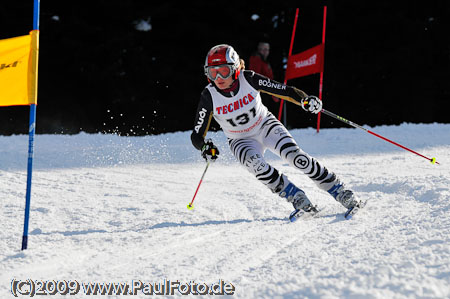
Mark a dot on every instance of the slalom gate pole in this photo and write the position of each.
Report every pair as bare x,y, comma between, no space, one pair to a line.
29,175
432,160
31,135
323,61
294,28
190,205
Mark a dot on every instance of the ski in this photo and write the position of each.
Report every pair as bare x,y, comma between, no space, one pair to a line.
352,211
299,213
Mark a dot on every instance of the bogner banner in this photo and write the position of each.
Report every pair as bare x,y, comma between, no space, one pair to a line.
305,63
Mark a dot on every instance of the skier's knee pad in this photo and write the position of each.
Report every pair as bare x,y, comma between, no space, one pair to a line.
300,160
320,175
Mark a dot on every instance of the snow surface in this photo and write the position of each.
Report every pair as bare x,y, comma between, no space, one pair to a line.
113,209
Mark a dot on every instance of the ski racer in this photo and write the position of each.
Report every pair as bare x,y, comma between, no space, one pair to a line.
233,98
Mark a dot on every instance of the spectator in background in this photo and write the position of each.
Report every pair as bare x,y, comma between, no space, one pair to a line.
258,60
259,64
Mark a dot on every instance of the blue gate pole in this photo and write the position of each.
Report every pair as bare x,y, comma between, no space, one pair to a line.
31,132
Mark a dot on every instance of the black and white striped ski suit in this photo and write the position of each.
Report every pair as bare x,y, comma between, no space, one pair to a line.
275,137
251,129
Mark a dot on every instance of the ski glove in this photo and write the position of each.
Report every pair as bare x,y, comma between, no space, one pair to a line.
312,104
209,151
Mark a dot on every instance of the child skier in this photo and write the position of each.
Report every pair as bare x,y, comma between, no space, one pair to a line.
233,98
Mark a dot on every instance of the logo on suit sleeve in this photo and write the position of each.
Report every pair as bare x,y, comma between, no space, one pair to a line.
201,119
270,84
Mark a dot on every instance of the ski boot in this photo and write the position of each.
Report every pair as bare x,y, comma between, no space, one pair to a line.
347,198
299,200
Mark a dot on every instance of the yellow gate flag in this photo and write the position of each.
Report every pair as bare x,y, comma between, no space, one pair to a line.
19,69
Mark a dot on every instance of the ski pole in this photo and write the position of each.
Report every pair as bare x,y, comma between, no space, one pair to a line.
432,160
190,205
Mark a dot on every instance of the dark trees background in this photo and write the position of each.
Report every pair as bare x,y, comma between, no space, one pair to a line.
386,62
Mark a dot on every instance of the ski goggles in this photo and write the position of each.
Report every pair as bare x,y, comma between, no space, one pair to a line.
224,71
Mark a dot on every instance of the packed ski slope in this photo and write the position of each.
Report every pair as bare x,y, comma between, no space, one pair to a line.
113,210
